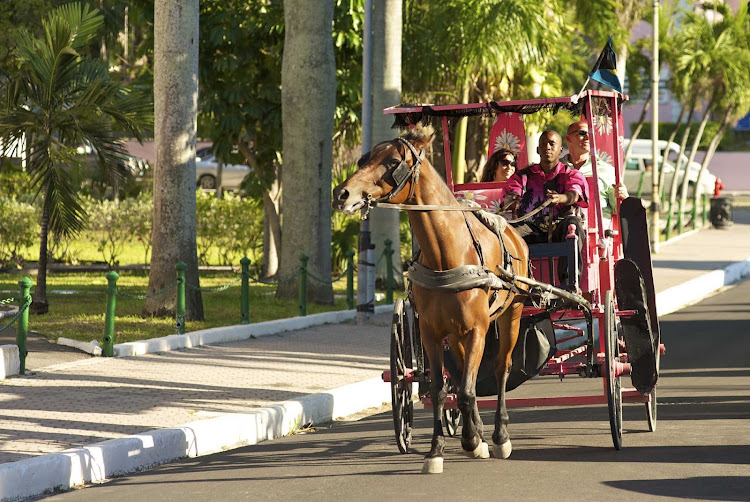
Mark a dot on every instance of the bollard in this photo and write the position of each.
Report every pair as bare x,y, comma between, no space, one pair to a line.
23,322
108,347
303,284
388,271
180,308
350,279
245,299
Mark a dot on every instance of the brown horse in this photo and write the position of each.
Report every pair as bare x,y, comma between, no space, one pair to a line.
397,171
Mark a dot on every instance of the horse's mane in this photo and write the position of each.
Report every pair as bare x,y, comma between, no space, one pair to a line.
411,136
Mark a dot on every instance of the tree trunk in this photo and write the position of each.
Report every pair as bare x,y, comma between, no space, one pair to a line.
386,91
676,174
458,159
39,303
639,126
683,110
271,231
686,178
175,119
712,146
308,83
271,214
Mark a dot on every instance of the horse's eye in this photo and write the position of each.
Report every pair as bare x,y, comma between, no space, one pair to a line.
394,162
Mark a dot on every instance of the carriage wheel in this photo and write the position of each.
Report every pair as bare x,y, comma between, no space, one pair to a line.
612,354
451,418
651,411
401,391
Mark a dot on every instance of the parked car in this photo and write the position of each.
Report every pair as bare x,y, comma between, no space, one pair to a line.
206,174
641,156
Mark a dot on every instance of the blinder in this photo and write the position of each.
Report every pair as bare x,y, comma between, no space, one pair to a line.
402,173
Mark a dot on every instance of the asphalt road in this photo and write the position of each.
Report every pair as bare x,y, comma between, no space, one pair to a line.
700,450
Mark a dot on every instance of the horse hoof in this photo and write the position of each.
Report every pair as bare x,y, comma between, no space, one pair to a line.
433,465
481,451
502,450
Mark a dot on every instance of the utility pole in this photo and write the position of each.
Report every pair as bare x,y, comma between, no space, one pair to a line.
655,191
366,255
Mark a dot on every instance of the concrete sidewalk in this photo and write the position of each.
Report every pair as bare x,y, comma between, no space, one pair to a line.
89,420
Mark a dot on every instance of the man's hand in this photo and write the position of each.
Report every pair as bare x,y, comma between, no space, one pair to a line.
511,200
621,192
566,199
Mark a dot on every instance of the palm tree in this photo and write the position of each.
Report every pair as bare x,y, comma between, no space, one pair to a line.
733,102
715,61
57,102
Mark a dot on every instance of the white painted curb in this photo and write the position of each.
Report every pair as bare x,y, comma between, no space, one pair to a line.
100,461
690,292
10,359
226,334
91,347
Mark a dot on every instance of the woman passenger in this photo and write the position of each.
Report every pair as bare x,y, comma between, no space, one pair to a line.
500,166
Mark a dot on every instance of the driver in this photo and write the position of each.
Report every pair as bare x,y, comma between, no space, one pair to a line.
557,182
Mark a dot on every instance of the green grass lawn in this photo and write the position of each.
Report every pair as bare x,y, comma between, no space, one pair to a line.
77,302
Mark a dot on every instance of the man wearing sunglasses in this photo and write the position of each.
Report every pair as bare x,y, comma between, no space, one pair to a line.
553,181
579,157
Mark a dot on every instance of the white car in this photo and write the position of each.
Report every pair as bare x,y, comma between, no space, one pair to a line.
636,176
206,171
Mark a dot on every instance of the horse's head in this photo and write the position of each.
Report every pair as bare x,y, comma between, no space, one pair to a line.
384,174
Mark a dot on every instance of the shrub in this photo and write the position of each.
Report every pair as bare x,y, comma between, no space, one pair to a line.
19,228
141,212
109,227
233,226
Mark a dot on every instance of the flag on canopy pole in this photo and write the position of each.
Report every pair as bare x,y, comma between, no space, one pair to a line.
605,68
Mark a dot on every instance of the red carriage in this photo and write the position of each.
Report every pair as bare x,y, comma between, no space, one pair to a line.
608,320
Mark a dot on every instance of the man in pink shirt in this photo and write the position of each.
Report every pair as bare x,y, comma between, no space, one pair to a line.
551,180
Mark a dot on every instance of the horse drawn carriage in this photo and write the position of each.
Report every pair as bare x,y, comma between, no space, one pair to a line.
489,312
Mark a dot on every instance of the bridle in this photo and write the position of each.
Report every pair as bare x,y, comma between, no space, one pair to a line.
401,175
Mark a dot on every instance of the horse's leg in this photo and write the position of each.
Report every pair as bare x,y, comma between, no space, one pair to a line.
508,324
433,462
472,437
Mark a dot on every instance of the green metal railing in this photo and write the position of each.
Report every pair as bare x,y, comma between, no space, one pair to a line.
180,284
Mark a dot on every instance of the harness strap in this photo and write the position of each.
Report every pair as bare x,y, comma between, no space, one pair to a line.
475,241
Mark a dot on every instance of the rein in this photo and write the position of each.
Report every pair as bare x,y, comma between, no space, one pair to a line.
409,207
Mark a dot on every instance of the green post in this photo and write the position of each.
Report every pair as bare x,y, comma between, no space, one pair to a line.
303,284
350,279
669,222
680,217
180,308
245,301
640,184
695,213
389,271
705,210
23,322
108,347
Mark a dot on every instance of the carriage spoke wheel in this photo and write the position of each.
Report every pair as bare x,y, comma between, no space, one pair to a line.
401,391
451,418
651,411
612,354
